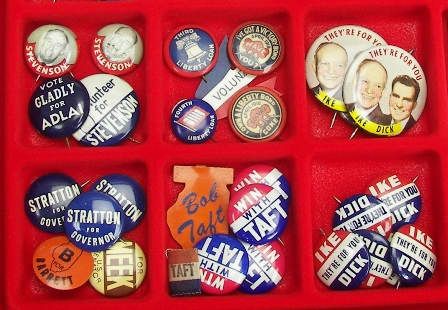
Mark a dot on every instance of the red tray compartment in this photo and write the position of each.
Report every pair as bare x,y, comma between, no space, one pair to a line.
319,162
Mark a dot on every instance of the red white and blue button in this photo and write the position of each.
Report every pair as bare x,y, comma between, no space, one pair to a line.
223,262
94,221
190,51
381,269
47,199
266,267
341,260
257,213
402,198
193,121
362,211
59,107
128,193
412,255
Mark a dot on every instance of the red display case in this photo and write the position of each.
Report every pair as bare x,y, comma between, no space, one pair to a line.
319,162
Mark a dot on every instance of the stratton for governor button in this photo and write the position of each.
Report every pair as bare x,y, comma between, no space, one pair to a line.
94,221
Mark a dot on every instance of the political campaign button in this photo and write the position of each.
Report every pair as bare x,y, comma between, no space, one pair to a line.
381,269
263,174
114,111
119,270
257,213
255,48
94,221
385,90
266,267
341,260
330,56
117,49
402,198
47,199
193,121
223,262
190,51
363,211
257,114
61,265
58,107
128,193
183,272
412,255
51,50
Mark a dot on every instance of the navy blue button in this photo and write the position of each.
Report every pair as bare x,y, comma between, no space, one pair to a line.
379,250
193,121
114,111
190,52
59,107
47,199
412,255
129,195
94,221
223,261
363,211
266,267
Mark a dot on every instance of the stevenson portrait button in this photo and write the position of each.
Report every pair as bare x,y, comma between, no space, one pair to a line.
59,107
94,221
128,193
190,51
61,265
47,199
51,50
255,48
193,121
117,49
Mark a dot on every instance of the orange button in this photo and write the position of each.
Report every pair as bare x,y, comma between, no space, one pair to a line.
61,265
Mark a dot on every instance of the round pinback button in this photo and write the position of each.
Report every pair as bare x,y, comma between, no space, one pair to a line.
47,199
119,270
412,255
117,49
363,211
381,269
61,265
51,50
113,114
193,121
341,260
223,262
385,90
255,48
128,193
402,198
263,174
329,58
94,221
266,267
257,114
190,51
257,213
59,107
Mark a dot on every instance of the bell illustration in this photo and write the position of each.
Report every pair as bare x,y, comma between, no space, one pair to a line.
191,47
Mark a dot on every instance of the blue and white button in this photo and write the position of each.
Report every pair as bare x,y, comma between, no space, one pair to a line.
266,267
223,262
114,111
128,193
363,211
47,199
193,121
94,221
190,51
341,260
412,255
58,107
